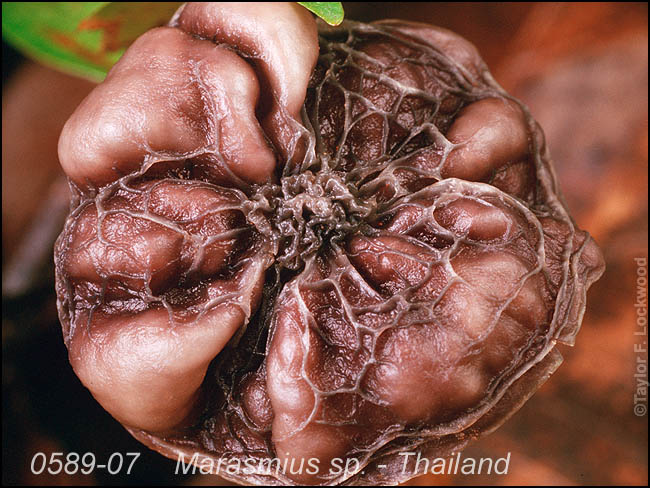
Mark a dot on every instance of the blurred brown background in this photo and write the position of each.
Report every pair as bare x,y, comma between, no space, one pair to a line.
581,68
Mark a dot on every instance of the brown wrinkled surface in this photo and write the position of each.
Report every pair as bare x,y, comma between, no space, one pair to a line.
386,268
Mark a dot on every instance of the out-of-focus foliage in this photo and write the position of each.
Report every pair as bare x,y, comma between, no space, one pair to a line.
83,39
86,38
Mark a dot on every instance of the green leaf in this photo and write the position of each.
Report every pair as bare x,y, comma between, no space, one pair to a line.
330,12
87,38
80,38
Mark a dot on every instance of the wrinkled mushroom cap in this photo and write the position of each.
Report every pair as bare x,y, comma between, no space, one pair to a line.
302,245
